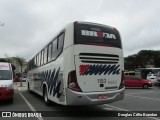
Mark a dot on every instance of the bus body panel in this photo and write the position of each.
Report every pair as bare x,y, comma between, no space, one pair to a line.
51,76
94,76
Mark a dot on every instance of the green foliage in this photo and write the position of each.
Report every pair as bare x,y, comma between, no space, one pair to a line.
142,59
18,74
20,61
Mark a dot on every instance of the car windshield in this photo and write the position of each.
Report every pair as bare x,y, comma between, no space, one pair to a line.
5,75
135,78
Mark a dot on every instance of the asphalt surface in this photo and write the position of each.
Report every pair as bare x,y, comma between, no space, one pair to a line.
137,101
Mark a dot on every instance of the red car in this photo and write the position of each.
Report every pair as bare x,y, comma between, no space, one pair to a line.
133,81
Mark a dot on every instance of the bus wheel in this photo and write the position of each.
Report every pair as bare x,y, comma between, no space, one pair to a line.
45,95
145,86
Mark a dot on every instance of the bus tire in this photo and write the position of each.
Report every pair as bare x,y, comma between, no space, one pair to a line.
45,96
145,86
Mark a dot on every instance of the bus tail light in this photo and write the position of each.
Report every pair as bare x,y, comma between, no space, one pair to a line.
122,80
72,82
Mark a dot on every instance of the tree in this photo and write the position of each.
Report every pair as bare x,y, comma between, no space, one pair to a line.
156,58
131,62
142,59
21,62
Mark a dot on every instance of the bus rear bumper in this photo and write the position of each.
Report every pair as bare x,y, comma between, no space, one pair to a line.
93,98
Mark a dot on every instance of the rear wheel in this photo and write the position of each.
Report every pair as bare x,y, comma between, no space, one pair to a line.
145,86
45,96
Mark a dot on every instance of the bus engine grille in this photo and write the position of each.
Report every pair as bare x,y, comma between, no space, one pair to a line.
99,58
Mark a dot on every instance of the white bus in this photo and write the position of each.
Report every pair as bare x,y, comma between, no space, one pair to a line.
82,65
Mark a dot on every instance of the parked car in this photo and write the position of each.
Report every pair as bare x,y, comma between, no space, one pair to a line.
16,79
157,81
133,81
23,79
152,77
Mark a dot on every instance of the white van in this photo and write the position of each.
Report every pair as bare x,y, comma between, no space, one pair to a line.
152,77
6,81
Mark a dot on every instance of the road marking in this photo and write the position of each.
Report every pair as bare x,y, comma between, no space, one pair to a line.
143,97
118,108
154,118
29,105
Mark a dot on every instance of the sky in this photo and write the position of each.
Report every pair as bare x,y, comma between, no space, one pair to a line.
27,25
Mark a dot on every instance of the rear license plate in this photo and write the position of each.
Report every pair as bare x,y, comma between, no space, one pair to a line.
102,97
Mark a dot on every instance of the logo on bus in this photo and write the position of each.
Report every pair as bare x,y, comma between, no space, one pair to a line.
99,69
98,34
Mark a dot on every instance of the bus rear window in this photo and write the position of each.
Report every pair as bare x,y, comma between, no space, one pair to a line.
96,35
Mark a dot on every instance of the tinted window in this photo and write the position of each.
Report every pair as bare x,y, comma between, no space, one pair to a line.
49,52
42,57
5,75
97,35
54,48
35,62
60,41
125,77
129,73
154,74
135,78
45,55
39,59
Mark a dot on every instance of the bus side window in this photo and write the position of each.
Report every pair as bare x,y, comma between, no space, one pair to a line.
54,49
35,62
42,57
39,59
60,41
49,52
45,54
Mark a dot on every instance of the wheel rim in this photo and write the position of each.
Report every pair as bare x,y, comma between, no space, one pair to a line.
145,86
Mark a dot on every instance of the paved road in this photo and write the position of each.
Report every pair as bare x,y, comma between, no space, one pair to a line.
136,99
